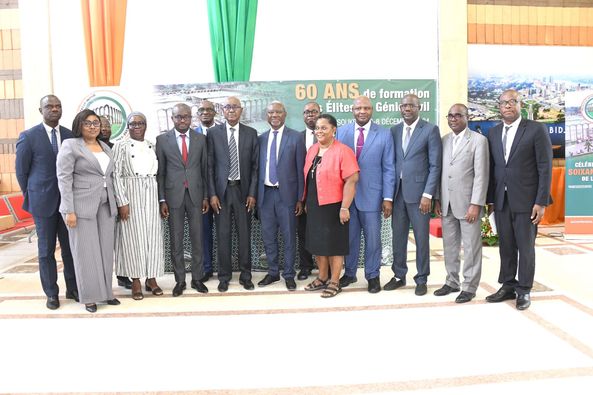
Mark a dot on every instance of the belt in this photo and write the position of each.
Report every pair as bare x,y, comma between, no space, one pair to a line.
272,186
234,182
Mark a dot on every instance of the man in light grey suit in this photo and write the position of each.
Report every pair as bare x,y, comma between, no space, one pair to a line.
418,150
182,179
464,183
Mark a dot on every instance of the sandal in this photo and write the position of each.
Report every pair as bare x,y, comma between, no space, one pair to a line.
316,285
137,290
331,290
155,289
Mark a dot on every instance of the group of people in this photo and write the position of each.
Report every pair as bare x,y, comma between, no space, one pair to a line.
328,185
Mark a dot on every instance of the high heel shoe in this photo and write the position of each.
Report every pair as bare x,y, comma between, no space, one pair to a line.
137,289
91,307
154,288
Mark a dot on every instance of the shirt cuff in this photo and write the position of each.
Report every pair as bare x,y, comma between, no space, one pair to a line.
426,195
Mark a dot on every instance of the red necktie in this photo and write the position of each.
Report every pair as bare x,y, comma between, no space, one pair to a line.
359,142
183,149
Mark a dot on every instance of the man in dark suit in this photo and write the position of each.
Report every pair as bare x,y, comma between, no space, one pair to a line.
280,189
233,155
418,151
36,151
206,114
181,178
311,113
519,191
373,147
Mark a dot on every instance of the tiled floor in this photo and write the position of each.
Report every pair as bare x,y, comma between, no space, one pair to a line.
271,341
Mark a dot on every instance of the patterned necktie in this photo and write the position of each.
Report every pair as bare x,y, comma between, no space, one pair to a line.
273,160
407,138
54,141
359,142
504,141
233,156
183,149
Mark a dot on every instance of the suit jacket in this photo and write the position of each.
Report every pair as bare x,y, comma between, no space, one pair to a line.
81,179
290,163
420,166
528,172
219,160
304,137
36,170
377,171
464,179
173,173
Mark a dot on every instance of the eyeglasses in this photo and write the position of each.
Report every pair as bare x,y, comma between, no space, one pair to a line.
408,105
88,124
455,116
230,107
182,117
310,112
504,103
136,125
203,110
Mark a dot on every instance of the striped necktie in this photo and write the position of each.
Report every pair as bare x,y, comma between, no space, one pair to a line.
233,156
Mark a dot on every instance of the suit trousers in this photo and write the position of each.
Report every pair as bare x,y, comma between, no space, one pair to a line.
403,214
458,232
516,235
207,222
92,242
274,216
176,225
48,228
305,257
233,205
370,224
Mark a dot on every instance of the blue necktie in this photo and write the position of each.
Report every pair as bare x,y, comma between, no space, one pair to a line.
273,160
54,141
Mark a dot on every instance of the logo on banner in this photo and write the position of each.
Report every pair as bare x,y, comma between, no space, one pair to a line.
587,108
112,106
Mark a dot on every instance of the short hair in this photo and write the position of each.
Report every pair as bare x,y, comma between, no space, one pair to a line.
329,118
135,114
78,119
276,102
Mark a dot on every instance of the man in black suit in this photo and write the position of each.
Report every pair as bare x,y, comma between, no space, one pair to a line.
183,192
233,155
36,151
519,191
311,113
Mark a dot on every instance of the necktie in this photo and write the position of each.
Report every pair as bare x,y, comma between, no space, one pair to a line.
273,160
455,144
54,141
183,149
234,157
359,142
407,138
504,141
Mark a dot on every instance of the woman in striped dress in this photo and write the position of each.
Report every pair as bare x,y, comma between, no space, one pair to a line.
139,234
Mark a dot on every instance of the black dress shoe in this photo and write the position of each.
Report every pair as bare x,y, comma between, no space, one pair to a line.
523,302
52,302
290,284
199,286
178,289
223,286
464,297
501,295
374,285
113,302
206,277
347,280
304,274
267,280
73,294
124,282
91,307
394,283
445,290
247,284
420,289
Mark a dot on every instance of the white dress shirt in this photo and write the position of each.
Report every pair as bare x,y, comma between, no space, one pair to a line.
278,140
510,136
48,131
228,137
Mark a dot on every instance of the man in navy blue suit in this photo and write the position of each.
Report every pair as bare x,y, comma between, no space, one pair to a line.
36,151
373,147
280,189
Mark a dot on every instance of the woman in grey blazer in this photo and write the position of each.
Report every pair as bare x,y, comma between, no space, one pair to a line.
84,170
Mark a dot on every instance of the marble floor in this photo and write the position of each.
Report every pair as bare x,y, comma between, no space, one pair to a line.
272,341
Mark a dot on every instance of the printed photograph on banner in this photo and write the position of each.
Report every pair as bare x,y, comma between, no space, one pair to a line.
334,97
542,75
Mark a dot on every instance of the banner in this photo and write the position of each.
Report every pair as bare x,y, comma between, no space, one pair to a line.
579,164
